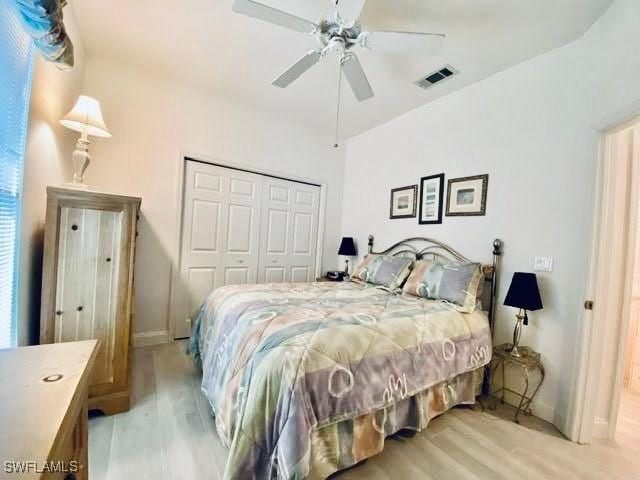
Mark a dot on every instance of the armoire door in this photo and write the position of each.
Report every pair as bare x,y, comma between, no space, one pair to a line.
220,235
289,231
87,285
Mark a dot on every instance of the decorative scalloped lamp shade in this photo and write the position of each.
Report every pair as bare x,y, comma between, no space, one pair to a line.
86,115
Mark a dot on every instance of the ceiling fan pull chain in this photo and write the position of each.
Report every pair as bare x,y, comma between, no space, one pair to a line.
336,144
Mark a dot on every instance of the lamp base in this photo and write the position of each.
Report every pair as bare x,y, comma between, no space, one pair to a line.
517,332
81,160
75,185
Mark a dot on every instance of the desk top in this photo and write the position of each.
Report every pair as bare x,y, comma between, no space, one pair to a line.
34,412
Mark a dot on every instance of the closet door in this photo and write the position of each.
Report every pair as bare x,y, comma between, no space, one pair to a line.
289,231
220,235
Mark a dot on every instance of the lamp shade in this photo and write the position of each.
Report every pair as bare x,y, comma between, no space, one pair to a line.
523,292
347,247
86,115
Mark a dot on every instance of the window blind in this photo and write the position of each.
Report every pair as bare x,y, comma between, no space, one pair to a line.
16,64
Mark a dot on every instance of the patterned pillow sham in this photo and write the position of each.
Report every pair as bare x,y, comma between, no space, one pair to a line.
453,282
389,272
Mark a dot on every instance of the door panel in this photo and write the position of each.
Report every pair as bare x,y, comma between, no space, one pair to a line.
302,229
300,274
290,212
205,224
274,274
237,275
239,229
245,188
220,236
278,193
87,282
277,223
206,181
304,198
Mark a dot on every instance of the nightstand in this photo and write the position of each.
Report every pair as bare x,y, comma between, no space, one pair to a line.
528,361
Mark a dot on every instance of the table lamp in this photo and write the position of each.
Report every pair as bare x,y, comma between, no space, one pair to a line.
347,249
523,294
86,118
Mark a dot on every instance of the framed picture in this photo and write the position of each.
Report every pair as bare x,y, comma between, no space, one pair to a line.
403,202
467,196
431,197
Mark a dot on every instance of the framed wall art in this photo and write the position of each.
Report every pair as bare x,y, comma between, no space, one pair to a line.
431,199
467,196
403,202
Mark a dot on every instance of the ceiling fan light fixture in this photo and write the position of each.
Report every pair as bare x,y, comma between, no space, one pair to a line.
339,32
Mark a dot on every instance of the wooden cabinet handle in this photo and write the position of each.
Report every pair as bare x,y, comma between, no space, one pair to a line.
80,308
59,312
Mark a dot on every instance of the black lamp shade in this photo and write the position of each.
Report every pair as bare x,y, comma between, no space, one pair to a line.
523,292
347,247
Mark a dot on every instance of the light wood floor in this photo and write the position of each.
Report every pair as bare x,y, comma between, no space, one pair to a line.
169,434
628,428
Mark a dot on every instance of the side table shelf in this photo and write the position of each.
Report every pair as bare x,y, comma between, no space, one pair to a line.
528,361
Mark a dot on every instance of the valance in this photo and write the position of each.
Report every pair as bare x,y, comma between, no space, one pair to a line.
43,21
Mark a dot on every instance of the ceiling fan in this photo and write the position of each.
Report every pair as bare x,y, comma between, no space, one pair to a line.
340,32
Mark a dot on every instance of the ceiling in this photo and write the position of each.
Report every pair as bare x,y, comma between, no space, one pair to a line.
205,44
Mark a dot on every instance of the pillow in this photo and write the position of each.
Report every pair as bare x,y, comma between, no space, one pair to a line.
453,282
389,272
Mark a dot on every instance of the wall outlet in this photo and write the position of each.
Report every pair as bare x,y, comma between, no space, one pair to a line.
543,264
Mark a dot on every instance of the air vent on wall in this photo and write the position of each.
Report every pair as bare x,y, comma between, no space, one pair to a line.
430,80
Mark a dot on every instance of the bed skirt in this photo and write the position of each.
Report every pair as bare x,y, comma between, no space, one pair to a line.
343,444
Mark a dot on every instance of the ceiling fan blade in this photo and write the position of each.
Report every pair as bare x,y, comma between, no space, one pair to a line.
356,77
273,15
297,69
400,42
349,9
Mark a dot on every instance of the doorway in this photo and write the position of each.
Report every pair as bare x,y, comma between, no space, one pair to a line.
628,422
608,359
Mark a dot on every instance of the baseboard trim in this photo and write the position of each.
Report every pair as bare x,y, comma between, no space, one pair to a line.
600,428
146,339
540,409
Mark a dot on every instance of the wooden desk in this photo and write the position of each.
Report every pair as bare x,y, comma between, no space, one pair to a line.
43,418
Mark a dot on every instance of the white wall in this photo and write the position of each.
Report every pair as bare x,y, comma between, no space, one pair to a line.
534,129
47,162
153,119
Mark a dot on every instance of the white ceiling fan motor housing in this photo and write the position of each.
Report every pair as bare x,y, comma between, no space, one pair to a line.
332,29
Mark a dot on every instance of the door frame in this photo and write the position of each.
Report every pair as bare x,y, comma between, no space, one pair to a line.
609,286
175,287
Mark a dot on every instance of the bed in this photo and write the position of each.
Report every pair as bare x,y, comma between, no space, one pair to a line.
305,380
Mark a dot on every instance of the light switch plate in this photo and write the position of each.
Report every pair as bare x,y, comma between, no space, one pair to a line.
543,264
